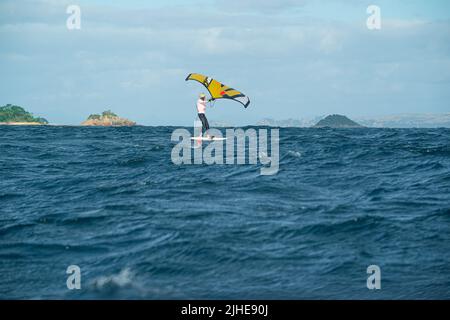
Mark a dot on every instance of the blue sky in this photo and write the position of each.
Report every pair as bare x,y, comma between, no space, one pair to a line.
293,58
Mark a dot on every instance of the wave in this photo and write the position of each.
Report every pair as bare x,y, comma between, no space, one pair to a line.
123,279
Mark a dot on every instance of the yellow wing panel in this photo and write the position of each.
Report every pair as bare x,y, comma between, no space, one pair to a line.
219,90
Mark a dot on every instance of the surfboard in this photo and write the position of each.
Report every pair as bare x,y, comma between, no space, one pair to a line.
207,139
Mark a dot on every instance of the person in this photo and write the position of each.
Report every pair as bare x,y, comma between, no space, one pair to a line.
201,109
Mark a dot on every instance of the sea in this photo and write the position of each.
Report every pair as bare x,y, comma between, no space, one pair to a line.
104,213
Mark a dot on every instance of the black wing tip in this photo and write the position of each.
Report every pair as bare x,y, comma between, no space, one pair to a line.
187,78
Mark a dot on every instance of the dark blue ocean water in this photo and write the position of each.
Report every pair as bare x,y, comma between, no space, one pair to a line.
111,201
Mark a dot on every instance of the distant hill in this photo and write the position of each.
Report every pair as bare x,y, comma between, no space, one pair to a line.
107,119
337,121
218,124
16,115
412,120
307,122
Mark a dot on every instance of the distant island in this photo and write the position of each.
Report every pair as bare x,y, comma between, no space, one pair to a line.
16,115
407,120
107,119
337,121
287,122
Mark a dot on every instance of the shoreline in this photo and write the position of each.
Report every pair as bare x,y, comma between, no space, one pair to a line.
22,124
219,127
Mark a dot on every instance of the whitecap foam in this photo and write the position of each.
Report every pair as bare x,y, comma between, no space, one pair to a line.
122,279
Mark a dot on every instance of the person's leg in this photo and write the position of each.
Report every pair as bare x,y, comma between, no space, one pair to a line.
205,124
207,128
201,116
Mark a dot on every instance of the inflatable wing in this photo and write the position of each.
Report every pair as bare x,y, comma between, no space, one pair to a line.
219,90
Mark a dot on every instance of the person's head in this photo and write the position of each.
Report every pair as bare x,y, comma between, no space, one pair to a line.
202,96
